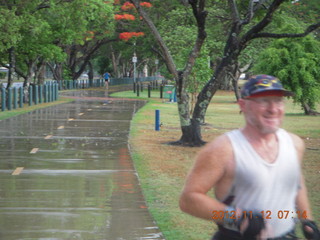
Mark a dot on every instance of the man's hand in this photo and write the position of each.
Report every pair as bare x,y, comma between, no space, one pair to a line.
252,227
310,230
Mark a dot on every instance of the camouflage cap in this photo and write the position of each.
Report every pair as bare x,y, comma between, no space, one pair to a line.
263,85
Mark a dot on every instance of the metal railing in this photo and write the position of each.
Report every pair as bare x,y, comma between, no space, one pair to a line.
127,80
17,96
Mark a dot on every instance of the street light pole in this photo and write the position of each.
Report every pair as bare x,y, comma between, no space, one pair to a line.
134,60
156,62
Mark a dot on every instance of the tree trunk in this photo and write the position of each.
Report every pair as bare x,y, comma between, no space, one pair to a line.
90,74
12,66
308,111
191,130
190,127
191,135
40,75
56,71
236,88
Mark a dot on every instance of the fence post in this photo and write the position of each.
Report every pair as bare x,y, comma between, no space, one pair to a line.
40,93
3,99
138,90
36,94
9,99
56,92
149,90
15,98
21,97
45,93
52,92
30,95
161,91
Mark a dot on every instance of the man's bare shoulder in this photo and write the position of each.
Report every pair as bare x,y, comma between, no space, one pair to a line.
217,151
212,164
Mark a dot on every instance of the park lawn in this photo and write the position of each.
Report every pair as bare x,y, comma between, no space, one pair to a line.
162,168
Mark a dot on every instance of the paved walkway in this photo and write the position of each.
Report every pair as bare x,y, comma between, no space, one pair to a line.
66,173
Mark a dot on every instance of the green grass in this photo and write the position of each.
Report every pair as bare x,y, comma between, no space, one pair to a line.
26,108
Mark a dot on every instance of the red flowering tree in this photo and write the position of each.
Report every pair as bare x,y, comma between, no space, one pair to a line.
124,17
128,35
127,6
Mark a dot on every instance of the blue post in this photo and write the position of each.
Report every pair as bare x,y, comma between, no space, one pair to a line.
56,92
21,97
45,93
3,99
9,98
36,94
40,93
15,98
52,92
157,122
30,95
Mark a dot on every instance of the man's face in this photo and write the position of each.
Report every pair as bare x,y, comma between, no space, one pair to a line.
263,113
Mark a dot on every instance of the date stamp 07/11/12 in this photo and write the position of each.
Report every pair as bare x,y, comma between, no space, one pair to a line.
281,214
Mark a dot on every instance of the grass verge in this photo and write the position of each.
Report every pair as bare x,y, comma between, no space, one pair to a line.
162,168
26,108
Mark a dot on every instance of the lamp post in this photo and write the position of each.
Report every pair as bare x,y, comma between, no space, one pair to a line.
156,62
134,60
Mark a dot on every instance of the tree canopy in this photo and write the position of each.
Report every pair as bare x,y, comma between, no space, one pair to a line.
201,45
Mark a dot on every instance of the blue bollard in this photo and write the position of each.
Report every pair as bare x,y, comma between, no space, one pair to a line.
157,120
21,97
30,95
36,94
40,93
9,99
3,99
15,98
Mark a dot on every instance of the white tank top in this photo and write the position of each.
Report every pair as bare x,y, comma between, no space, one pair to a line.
268,187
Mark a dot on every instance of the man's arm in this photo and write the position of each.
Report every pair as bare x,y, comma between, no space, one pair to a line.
210,167
309,227
302,200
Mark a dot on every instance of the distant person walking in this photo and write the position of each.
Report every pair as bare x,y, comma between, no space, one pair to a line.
106,77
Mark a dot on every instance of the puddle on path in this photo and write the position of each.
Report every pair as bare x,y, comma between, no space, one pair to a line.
79,183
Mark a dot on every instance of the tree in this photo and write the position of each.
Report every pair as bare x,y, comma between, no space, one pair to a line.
296,63
56,30
181,76
247,23
81,29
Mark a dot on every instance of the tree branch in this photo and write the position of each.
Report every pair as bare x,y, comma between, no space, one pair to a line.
200,15
310,29
234,10
167,56
263,23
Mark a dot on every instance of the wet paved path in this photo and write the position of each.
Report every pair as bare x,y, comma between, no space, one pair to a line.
66,173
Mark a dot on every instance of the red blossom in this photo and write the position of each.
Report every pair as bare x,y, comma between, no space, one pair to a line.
127,6
124,17
146,4
127,35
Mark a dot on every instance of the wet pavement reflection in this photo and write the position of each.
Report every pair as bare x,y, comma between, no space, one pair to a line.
66,173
